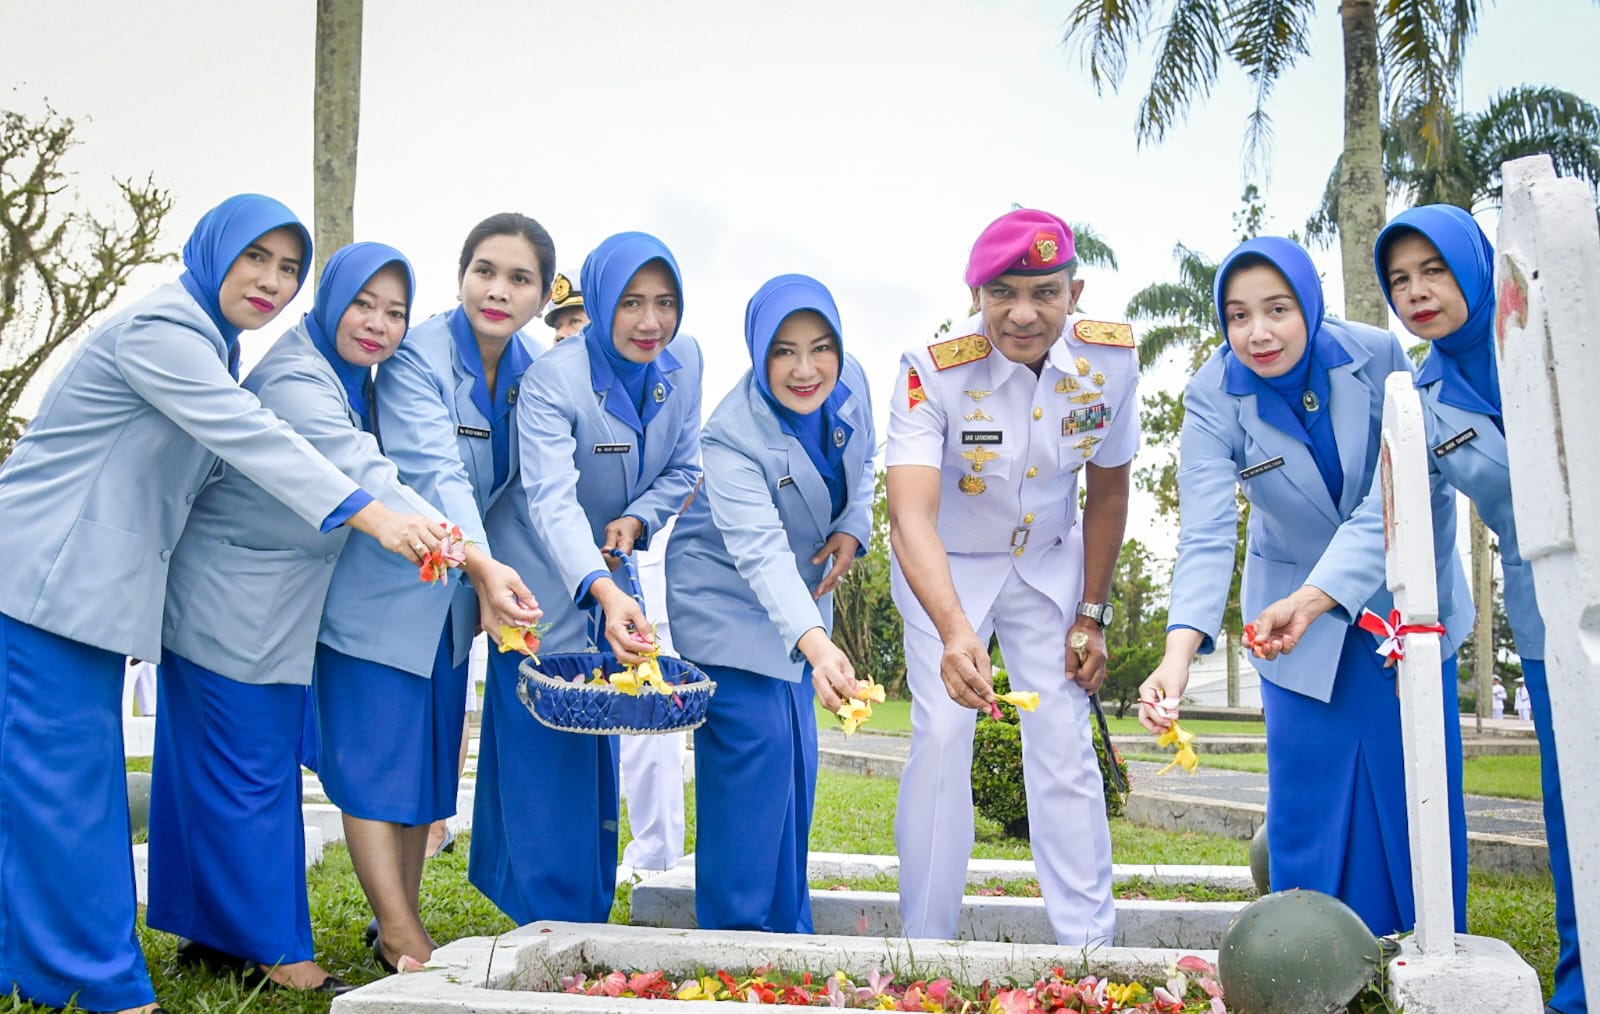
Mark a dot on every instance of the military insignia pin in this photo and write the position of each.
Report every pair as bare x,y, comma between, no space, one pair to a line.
660,393
1311,401
1085,397
1045,247
561,289
511,395
1099,379
978,395
978,415
1083,366
1086,445
1066,385
972,485
838,436
978,456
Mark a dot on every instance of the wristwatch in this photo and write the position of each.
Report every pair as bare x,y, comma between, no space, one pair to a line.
1100,612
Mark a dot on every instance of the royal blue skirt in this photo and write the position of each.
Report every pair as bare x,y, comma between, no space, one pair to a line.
227,837
1569,996
389,742
66,857
1336,790
755,765
544,821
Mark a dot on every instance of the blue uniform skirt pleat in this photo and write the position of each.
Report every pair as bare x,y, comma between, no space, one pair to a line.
1336,792
755,762
227,837
545,818
67,900
389,742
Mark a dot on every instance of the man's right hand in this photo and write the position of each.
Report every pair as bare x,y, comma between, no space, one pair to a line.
965,671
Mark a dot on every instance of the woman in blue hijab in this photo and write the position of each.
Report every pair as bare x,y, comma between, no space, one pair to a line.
93,500
785,509
609,429
1437,270
1290,409
244,601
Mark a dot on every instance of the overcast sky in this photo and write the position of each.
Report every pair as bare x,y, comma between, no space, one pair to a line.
862,142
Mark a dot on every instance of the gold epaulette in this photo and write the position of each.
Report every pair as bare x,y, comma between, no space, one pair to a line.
1102,332
959,351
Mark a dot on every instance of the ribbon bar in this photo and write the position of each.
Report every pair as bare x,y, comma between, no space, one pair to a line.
1389,632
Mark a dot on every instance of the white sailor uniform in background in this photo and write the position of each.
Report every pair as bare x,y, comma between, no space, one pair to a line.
1010,447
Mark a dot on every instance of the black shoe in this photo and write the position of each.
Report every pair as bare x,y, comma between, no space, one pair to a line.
193,953
377,955
254,976
448,845
371,935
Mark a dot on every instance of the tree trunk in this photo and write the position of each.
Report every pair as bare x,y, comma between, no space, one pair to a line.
1231,653
1483,628
1361,189
336,113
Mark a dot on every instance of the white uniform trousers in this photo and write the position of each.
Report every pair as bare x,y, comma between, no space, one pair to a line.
652,766
1066,800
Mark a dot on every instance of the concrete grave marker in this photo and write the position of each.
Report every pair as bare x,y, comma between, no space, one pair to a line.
1547,327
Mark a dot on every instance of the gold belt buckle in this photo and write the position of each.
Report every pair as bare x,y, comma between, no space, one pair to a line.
1022,530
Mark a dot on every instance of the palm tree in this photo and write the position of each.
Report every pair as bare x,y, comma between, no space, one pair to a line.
1411,48
1525,120
336,125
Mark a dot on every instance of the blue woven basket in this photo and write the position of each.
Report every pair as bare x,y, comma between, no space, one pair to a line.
547,690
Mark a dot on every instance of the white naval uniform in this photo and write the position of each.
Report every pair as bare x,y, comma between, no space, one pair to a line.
1008,512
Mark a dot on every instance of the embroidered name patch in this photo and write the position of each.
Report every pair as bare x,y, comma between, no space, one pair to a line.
612,448
1466,436
1082,420
473,431
982,436
1265,466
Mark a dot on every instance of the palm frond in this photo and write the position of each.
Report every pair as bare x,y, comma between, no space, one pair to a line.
1169,301
1420,52
1197,272
1104,31
1192,44
1267,36
1158,341
1531,120
1090,248
1323,225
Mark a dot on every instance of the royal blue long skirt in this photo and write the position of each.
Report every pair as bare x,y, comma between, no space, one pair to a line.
66,857
1569,997
544,821
389,742
755,765
227,837
1336,792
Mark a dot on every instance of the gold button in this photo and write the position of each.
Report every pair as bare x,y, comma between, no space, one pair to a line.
1017,551
1032,471
1027,519
1038,413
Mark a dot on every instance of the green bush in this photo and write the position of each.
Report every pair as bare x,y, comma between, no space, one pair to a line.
997,785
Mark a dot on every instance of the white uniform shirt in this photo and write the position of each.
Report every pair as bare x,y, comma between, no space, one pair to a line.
1009,447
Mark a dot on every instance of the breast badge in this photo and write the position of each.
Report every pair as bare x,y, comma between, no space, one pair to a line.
1086,445
1086,419
1066,385
972,485
1083,366
979,456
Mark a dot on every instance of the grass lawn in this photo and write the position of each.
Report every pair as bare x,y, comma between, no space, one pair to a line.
853,814
1511,777
895,717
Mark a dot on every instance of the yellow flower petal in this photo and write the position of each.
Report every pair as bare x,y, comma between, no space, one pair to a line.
866,690
853,714
511,639
1024,700
1185,757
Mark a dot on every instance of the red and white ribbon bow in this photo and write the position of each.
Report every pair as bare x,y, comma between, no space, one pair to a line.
1390,631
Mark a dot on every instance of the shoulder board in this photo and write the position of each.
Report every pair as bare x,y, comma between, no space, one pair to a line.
1101,332
959,351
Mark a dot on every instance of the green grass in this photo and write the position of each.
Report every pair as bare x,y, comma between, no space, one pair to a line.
1134,887
890,716
853,814
1129,725
1511,777
895,717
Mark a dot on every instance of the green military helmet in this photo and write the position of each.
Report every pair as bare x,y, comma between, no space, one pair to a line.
1295,952
1259,867
138,801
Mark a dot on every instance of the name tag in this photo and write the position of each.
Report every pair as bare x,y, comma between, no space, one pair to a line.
787,480
1265,466
612,448
473,431
1466,436
982,436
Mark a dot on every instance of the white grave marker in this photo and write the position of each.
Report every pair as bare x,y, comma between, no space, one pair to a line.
1437,971
1547,326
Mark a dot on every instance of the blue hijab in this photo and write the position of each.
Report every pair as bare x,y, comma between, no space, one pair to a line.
635,392
821,434
1463,361
1285,401
345,275
221,235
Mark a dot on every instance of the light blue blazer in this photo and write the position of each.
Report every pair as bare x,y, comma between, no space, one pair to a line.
95,495
1226,444
581,469
246,584
377,609
739,570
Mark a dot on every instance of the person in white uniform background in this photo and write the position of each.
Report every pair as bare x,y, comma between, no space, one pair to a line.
987,434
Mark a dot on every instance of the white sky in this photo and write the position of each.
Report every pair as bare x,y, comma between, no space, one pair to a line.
863,142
